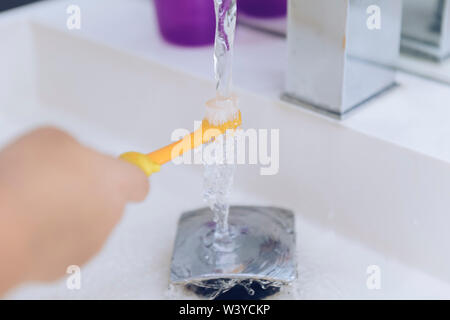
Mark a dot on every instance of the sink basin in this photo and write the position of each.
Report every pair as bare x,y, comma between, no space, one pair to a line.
359,200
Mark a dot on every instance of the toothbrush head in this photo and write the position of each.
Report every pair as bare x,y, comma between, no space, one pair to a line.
231,124
221,111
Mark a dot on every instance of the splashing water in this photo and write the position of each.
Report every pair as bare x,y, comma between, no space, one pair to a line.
218,180
218,176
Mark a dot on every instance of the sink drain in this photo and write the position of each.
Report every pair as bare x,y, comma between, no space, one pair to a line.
231,289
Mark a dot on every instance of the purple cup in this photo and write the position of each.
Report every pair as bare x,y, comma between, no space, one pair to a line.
187,22
263,8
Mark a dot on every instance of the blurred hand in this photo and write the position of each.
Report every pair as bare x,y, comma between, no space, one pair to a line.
59,201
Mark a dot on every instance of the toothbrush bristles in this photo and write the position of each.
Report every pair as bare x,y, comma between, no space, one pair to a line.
221,110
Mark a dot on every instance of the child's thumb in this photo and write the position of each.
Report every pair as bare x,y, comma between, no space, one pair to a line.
133,181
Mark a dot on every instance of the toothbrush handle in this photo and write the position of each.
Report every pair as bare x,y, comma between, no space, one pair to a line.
150,163
204,134
178,148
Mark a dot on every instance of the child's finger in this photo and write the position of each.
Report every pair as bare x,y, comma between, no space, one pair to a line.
133,181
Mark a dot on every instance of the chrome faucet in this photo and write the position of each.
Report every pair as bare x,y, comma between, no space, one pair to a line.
341,52
426,28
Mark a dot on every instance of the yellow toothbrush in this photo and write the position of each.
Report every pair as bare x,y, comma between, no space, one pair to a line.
209,130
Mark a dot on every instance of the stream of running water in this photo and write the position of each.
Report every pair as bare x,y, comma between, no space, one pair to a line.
218,176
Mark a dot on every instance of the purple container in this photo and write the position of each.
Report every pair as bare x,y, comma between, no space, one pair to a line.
187,22
263,8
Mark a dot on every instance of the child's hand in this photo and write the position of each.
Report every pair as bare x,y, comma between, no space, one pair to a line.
59,201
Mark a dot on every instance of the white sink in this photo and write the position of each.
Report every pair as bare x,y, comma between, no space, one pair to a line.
360,199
